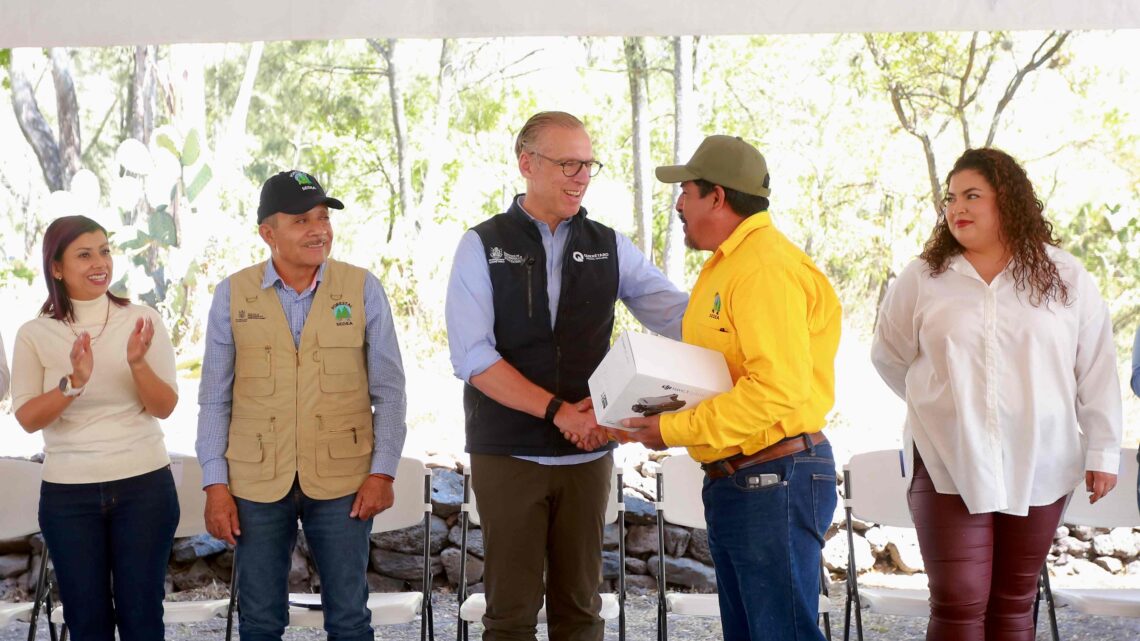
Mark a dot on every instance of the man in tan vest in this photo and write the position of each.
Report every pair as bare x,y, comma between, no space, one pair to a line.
301,416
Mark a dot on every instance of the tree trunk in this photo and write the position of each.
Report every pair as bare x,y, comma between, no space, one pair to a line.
437,137
642,181
32,123
188,81
140,111
684,143
231,147
67,112
388,49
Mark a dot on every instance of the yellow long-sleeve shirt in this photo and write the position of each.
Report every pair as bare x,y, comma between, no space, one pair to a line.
761,302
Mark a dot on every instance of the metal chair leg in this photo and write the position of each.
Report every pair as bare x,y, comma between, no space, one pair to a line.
1052,607
42,592
232,607
823,591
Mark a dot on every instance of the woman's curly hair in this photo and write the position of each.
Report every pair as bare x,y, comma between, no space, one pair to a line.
1024,229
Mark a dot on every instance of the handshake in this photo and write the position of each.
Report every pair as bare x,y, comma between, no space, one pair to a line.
579,425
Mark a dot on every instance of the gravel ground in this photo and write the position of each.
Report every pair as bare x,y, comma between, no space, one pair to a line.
641,623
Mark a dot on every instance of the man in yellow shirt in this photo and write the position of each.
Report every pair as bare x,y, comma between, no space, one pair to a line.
770,477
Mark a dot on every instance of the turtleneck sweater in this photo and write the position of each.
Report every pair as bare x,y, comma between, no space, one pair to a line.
105,434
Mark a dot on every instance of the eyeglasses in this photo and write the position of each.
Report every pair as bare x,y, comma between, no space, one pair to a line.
571,168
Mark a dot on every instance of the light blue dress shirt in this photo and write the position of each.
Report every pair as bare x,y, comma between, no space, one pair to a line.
470,312
385,373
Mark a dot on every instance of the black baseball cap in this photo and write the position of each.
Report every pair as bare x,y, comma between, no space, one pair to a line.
292,192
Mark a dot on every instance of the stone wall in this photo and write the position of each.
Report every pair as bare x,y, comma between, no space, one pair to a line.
396,564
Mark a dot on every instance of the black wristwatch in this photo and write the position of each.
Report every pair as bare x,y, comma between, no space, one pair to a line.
552,408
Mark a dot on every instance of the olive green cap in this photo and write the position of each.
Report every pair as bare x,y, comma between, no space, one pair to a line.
727,161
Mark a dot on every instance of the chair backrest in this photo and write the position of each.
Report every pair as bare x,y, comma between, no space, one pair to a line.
20,500
191,499
1117,509
681,483
413,491
874,488
614,506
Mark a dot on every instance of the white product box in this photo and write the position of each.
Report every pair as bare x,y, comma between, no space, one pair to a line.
644,375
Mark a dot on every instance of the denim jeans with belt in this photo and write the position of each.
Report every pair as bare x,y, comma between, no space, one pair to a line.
110,544
339,545
766,525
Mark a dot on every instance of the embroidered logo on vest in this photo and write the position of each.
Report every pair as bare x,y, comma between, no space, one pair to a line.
243,316
498,257
715,313
342,312
580,257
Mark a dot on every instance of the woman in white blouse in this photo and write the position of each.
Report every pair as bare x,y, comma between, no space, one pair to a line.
87,376
1002,348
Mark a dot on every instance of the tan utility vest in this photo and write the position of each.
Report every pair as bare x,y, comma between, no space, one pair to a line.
305,411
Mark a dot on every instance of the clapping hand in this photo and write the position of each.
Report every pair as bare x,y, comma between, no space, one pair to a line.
82,361
139,341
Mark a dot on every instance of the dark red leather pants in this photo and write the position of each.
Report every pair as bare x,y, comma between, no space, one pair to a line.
982,568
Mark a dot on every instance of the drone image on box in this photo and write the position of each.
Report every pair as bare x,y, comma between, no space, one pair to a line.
651,405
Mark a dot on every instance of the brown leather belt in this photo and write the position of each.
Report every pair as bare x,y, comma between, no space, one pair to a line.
729,466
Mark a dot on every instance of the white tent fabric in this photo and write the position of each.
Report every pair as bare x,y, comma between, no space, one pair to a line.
41,23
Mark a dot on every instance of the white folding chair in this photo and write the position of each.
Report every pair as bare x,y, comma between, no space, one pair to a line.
19,503
679,483
874,489
1118,509
192,507
412,506
472,607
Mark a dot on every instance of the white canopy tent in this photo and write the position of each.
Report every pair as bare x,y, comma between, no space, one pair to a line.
41,23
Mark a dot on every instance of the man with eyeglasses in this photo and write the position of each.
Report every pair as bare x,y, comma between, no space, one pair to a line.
530,313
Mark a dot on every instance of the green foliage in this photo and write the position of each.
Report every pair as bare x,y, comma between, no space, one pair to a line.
849,184
5,60
201,180
191,149
1107,244
16,270
161,227
164,141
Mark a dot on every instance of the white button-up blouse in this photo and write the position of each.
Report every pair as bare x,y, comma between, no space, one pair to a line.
1008,404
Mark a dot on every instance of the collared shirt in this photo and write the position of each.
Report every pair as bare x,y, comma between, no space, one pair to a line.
385,372
761,302
1135,364
652,298
1008,403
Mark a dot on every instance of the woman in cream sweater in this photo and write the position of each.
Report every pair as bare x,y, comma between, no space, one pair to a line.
93,373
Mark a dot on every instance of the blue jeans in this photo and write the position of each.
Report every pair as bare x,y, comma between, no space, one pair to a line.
766,525
110,544
339,545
